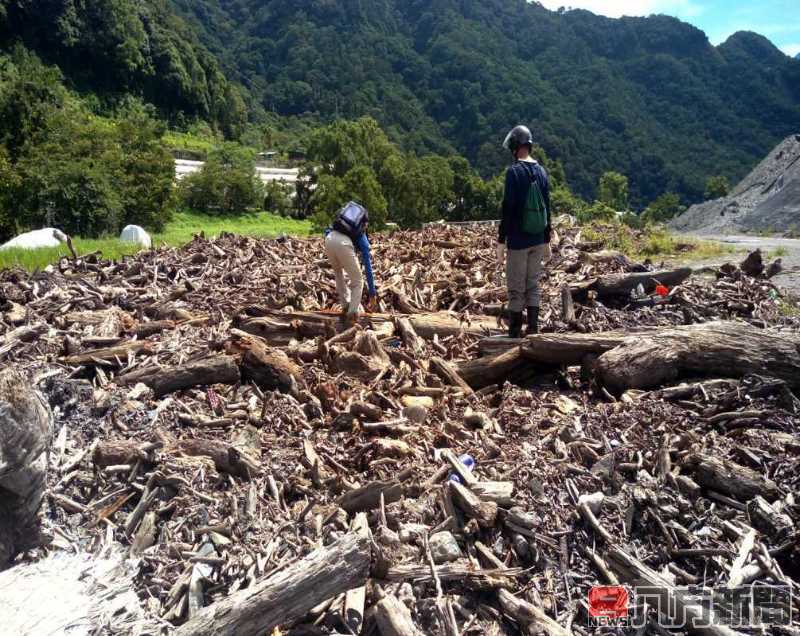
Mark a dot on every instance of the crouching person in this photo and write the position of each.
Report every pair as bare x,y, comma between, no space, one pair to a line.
524,230
348,234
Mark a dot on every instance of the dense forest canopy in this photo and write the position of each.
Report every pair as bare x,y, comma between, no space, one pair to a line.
650,98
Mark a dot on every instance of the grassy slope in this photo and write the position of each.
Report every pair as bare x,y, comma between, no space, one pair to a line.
179,231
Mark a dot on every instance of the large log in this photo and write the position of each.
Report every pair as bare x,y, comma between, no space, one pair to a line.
288,594
621,285
730,478
25,429
213,370
278,327
483,372
269,368
716,349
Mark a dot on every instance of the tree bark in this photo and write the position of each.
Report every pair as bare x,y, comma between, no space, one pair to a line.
116,354
213,370
271,369
483,372
716,349
528,614
25,429
446,372
226,458
394,618
731,479
288,594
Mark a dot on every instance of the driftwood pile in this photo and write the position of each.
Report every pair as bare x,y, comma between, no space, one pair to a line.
267,472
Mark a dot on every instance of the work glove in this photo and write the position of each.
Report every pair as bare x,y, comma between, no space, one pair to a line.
501,252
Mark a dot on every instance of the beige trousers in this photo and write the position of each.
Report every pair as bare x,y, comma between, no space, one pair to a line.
342,257
523,269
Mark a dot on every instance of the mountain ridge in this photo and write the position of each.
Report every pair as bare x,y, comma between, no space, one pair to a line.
647,96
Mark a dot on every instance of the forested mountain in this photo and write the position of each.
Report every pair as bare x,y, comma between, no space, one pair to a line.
112,49
647,96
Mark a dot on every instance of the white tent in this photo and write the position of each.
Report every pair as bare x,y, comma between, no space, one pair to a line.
136,234
46,237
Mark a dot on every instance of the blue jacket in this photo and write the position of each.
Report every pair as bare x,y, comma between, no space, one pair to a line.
518,181
362,245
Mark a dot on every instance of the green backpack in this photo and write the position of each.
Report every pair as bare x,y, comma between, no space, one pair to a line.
534,214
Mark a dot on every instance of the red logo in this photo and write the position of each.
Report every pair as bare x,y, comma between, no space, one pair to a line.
608,602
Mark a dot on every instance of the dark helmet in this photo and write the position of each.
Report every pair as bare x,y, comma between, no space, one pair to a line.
519,136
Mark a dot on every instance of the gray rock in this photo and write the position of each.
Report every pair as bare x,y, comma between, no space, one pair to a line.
415,414
766,199
444,547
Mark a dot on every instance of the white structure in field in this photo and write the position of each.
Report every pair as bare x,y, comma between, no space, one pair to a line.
136,234
46,237
287,175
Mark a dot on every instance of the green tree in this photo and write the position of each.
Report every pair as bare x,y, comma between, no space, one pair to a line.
30,93
359,184
716,187
598,211
612,190
665,207
226,184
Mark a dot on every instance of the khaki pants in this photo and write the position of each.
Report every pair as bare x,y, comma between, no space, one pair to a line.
342,257
523,268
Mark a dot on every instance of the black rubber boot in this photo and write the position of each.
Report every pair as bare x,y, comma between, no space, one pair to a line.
533,320
515,324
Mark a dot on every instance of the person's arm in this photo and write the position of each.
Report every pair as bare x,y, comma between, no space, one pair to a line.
363,247
506,208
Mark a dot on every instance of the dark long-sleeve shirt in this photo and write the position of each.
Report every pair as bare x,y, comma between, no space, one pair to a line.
518,182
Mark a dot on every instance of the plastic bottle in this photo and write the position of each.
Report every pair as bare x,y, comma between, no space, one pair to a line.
468,461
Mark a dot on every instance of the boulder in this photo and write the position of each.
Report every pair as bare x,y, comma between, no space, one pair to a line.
46,237
136,234
444,547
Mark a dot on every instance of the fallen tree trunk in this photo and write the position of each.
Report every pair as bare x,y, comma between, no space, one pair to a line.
716,349
278,327
731,479
214,370
483,372
288,594
621,285
558,348
270,369
25,429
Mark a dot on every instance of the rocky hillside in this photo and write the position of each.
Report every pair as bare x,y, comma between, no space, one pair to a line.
766,199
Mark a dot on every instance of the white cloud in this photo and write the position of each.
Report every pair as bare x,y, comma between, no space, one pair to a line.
617,8
791,49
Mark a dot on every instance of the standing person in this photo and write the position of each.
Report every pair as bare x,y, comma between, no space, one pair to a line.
524,230
348,233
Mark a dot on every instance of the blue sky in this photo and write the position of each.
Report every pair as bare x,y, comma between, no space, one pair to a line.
779,20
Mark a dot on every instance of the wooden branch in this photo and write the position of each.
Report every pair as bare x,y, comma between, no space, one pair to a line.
287,595
369,497
567,304
484,512
634,572
116,354
528,614
394,618
445,370
213,370
226,457
621,285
